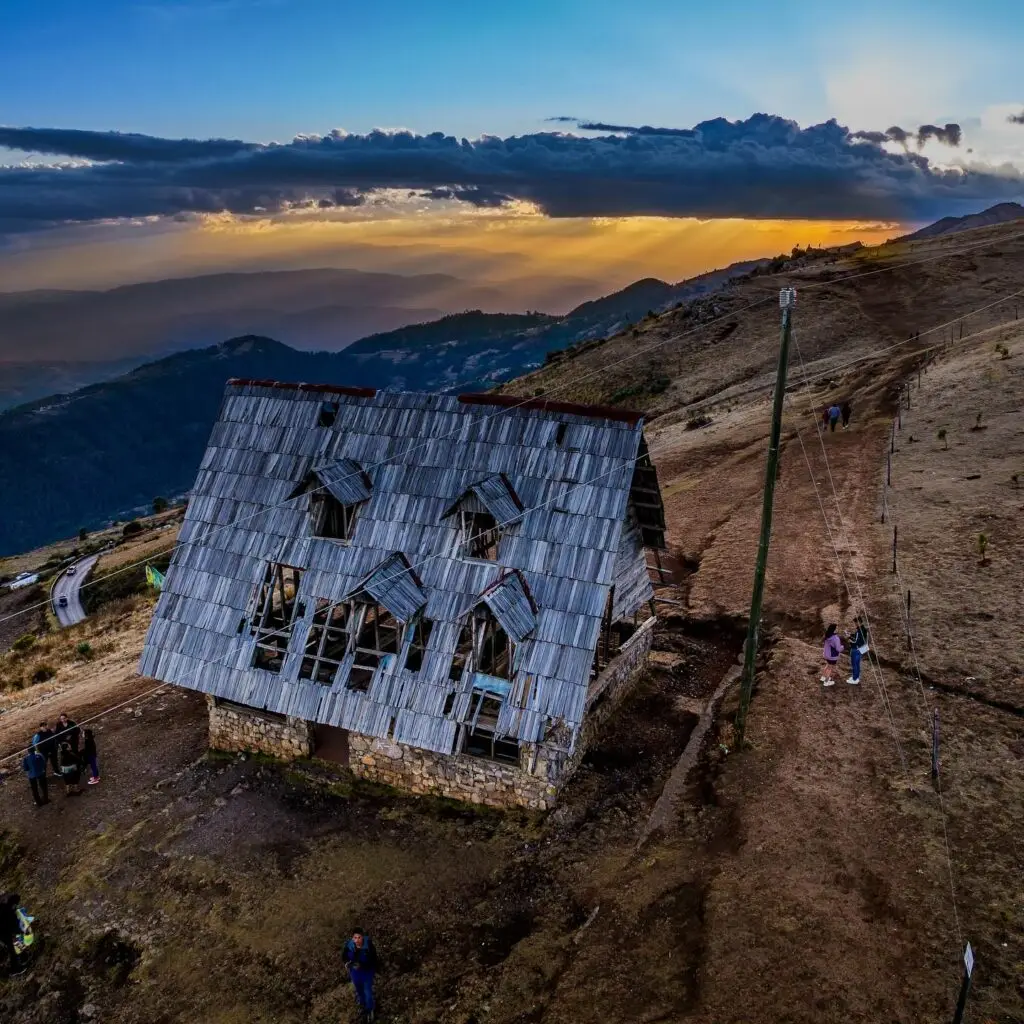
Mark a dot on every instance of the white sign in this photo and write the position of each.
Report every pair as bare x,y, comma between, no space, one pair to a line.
969,959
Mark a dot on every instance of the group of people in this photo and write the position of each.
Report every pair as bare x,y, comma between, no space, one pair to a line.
832,414
68,750
833,650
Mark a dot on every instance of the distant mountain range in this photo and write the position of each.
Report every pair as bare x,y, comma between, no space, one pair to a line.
88,336
79,459
998,214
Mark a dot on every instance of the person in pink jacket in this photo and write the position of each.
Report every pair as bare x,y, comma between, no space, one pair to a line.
830,652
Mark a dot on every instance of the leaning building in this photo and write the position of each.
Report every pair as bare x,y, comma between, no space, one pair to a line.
444,592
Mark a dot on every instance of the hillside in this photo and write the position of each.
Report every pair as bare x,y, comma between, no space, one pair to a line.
814,870
1001,213
101,451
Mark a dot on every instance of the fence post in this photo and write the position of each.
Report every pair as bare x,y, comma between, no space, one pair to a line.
888,470
895,529
892,438
910,641
935,745
965,985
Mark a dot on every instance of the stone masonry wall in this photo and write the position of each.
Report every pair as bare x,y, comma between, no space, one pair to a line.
233,727
542,771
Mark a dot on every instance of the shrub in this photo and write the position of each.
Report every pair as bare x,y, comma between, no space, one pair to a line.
982,546
941,435
25,642
83,533
84,650
131,529
698,420
159,505
42,673
1015,479
1002,351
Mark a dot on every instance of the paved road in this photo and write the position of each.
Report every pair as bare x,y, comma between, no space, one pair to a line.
69,587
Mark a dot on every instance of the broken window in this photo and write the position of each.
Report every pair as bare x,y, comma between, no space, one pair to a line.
326,642
274,615
421,630
484,647
332,519
328,414
479,733
480,535
378,637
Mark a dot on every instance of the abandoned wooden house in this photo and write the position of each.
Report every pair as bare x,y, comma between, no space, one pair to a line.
447,593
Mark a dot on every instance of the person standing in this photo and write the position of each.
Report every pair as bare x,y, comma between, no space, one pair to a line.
46,741
34,766
824,418
70,769
90,757
847,411
831,650
360,956
68,731
858,648
10,929
833,417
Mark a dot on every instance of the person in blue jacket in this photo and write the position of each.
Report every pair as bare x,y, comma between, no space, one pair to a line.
360,956
34,766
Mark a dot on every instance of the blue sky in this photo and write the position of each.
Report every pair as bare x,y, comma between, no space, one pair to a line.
612,206
267,69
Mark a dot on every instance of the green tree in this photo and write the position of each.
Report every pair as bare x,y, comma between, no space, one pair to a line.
83,533
159,505
131,529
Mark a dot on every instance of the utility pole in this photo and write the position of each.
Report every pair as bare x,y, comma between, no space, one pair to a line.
787,300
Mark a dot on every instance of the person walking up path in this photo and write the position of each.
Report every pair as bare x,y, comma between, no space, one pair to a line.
34,766
830,652
847,412
833,417
360,956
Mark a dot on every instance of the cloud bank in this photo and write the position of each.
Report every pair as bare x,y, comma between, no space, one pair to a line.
761,167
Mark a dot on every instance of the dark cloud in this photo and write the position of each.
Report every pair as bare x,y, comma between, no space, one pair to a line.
599,126
1016,118
762,167
87,145
950,134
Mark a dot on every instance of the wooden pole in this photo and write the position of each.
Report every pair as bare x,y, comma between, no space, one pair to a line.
787,299
910,642
888,470
935,745
895,531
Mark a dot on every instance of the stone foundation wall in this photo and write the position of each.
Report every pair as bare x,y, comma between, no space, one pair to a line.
234,727
459,776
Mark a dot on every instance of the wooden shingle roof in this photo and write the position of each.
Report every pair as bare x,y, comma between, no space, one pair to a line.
419,453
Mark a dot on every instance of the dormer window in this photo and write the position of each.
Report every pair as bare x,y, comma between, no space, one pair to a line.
480,535
332,519
486,510
337,491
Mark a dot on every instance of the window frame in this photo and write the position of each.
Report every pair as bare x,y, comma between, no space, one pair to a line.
477,540
266,623
326,508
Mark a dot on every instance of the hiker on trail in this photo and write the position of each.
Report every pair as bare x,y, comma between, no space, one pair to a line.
10,929
360,956
847,412
824,418
833,417
46,741
70,769
34,766
67,731
90,757
858,648
830,652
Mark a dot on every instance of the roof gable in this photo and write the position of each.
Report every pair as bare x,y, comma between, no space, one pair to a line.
344,479
511,603
497,495
394,585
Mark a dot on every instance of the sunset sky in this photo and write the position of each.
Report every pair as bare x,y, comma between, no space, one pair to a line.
513,141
